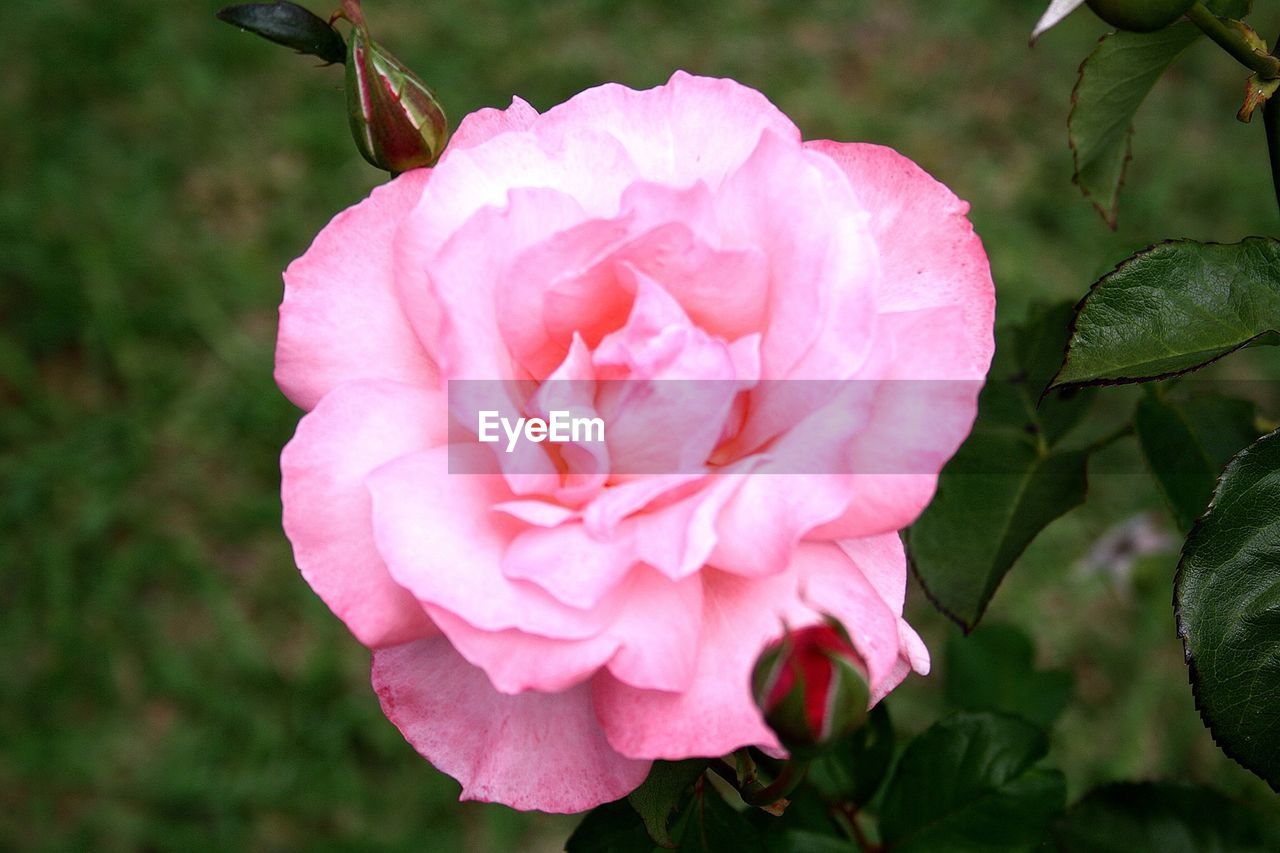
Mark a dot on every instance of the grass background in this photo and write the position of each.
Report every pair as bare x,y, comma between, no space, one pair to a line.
167,681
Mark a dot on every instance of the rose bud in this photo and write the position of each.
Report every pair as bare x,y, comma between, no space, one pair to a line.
812,687
1140,16
395,118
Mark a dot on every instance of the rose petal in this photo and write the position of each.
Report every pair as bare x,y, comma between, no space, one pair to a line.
542,751
327,511
441,541
341,319
652,643
449,289
670,389
484,124
717,714
582,563
566,561
692,129
831,582
918,418
570,284
929,254
516,662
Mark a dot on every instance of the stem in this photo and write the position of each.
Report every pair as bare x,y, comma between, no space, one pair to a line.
351,12
793,773
722,769
850,813
755,794
1271,121
1233,42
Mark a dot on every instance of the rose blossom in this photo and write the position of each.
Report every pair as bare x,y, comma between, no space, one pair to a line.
543,636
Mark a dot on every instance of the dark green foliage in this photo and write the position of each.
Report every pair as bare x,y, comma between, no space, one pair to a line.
1174,308
1146,817
993,669
1114,81
290,25
1186,442
612,828
665,789
970,783
1009,479
1227,599
853,769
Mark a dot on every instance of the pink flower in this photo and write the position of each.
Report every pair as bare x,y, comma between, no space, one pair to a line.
543,634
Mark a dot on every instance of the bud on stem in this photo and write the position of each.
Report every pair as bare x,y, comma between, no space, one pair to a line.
812,687
395,118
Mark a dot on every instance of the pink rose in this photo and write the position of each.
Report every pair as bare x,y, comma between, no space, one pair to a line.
542,635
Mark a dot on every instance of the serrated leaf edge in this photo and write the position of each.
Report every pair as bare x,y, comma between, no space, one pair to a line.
1188,656
1056,385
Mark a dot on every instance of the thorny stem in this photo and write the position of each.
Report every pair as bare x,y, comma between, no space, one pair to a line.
1233,42
1265,65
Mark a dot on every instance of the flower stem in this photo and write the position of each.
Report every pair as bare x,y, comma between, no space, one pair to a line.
1271,121
762,796
850,813
1266,66
351,12
793,773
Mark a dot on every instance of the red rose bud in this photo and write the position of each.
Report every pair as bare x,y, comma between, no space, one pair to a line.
395,118
812,687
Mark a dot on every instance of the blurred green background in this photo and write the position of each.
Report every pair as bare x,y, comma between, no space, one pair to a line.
167,680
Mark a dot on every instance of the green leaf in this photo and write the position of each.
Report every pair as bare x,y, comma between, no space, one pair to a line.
661,794
1227,604
1163,818
1040,345
969,783
1236,9
993,499
290,25
993,669
1187,442
611,828
853,768
1114,80
803,841
1008,481
710,825
1173,308
807,815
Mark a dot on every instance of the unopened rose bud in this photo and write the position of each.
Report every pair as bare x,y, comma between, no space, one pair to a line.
1140,16
811,686
395,118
